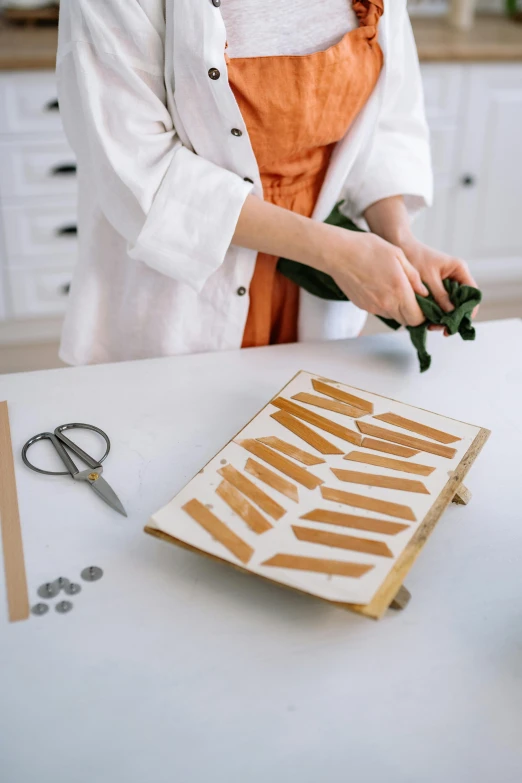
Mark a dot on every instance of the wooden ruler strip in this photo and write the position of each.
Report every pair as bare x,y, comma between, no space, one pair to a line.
305,433
243,508
273,480
318,565
218,530
371,504
388,448
295,472
342,396
355,522
406,440
291,451
375,480
329,405
415,426
318,421
387,462
325,538
252,491
12,544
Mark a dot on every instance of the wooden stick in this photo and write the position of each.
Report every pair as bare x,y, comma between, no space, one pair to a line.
252,491
301,475
402,599
273,480
415,426
238,503
406,440
374,480
291,451
305,433
342,396
329,405
318,421
388,448
370,524
325,538
387,462
371,504
14,563
462,496
318,565
218,530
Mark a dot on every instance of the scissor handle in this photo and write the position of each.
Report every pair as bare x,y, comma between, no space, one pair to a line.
57,438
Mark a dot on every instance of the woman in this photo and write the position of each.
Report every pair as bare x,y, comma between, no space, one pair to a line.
214,136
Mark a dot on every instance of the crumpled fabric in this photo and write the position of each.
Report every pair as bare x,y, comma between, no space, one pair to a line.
464,298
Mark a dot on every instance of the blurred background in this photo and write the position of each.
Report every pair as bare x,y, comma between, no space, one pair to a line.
471,59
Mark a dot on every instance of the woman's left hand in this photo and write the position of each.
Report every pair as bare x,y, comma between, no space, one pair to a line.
434,267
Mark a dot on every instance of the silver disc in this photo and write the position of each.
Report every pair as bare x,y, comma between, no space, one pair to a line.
62,583
63,607
48,590
39,609
72,588
91,574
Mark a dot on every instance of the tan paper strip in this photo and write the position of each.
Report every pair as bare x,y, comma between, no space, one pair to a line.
218,530
252,491
273,480
406,440
329,405
301,475
372,504
370,524
12,544
325,538
415,426
387,462
238,503
305,433
291,451
388,448
373,480
318,565
318,421
342,396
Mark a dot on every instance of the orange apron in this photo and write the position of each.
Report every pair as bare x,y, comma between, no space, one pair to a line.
296,108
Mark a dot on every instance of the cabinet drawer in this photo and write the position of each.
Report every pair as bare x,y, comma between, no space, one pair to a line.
29,103
37,169
40,231
36,292
442,90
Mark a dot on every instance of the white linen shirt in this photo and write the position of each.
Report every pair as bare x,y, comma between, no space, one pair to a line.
162,177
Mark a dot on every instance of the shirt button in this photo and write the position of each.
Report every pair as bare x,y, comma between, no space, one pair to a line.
241,291
216,3
236,132
247,179
214,73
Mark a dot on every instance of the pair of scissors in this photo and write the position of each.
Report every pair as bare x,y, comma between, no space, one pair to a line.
92,475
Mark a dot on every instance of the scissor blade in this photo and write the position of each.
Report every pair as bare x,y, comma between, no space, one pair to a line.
107,494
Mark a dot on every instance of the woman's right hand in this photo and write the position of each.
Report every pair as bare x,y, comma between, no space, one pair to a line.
374,274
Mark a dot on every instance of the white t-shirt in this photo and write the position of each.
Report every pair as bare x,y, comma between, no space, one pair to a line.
278,27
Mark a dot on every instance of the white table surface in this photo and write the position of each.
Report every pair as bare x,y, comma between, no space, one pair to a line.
176,669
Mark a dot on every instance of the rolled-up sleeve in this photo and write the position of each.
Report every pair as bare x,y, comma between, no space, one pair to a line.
152,189
399,159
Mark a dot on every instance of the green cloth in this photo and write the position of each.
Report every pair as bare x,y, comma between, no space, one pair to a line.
464,297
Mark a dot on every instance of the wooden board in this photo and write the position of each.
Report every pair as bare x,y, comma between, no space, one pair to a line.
12,545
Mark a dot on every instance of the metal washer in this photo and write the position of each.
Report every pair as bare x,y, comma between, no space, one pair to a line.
39,609
63,607
91,574
72,588
48,590
62,583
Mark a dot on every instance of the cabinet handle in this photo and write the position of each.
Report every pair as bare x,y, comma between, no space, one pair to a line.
63,169
65,289
52,105
67,231
467,181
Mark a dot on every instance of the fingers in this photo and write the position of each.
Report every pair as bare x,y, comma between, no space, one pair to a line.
412,274
460,272
439,293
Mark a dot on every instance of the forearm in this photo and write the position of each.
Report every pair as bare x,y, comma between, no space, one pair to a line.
271,229
390,220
